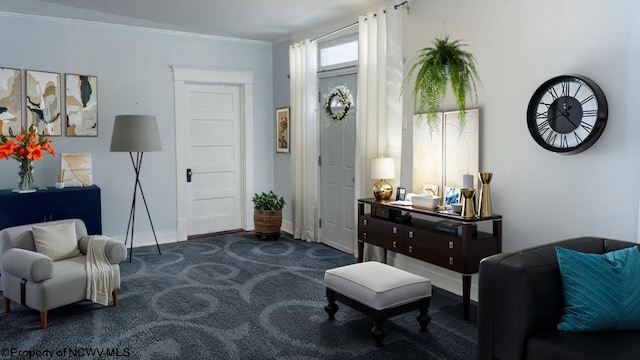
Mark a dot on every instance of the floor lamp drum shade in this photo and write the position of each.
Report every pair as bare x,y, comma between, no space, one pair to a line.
382,168
135,133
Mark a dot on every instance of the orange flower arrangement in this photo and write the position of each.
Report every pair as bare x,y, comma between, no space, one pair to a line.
26,148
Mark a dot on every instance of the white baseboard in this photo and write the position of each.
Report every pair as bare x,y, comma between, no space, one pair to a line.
146,238
287,226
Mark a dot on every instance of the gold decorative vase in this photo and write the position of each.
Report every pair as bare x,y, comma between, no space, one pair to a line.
467,203
485,194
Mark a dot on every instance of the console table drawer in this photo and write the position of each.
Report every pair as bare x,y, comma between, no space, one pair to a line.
379,232
439,249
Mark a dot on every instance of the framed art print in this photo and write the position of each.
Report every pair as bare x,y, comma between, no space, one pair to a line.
81,105
10,101
43,102
282,130
76,169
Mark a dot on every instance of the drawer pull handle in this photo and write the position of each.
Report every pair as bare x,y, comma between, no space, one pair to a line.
364,235
395,230
450,244
395,245
410,249
410,234
364,222
450,260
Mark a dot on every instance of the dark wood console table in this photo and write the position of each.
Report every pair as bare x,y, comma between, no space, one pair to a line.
52,204
395,228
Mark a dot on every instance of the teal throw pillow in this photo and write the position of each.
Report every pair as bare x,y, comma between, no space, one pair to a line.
601,291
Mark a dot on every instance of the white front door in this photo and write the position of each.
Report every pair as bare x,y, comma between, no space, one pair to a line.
214,178
337,168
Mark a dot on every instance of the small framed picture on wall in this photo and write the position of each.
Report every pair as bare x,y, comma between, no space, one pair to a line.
282,130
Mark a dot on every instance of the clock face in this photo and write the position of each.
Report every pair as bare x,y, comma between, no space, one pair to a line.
567,114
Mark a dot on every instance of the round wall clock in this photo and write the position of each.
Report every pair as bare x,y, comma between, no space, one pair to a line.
567,114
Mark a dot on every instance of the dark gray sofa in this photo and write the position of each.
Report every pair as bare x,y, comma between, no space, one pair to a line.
520,302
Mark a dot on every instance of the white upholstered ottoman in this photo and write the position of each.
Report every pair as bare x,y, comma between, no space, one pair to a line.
379,291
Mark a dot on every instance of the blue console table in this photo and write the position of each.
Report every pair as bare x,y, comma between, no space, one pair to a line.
52,204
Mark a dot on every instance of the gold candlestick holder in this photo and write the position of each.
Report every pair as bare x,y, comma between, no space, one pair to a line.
467,203
485,194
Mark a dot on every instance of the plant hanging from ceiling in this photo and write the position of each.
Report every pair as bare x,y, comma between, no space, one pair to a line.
337,103
437,66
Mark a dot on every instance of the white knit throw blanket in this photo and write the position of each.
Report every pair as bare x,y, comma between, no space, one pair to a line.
100,277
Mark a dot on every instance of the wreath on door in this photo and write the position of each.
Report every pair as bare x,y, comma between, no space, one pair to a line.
337,103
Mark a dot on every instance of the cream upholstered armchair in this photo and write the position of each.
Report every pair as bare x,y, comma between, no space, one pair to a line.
43,265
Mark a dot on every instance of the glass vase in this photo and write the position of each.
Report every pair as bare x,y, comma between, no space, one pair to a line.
25,177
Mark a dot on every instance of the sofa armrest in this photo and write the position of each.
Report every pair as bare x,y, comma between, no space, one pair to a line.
25,264
520,295
115,250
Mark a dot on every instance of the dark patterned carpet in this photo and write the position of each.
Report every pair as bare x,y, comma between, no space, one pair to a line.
233,297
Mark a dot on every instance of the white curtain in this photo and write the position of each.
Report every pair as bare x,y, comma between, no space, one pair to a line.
379,123
303,68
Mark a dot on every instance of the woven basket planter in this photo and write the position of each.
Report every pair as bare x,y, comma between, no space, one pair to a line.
267,223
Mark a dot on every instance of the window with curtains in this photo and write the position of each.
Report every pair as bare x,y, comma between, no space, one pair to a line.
338,53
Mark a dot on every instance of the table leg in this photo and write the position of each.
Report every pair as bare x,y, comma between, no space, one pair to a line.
466,296
360,250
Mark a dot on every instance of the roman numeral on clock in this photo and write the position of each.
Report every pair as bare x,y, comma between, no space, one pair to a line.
589,98
565,88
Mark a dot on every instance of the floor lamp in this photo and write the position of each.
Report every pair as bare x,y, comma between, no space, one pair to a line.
136,133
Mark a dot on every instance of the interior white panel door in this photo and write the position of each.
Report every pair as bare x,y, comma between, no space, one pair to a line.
214,158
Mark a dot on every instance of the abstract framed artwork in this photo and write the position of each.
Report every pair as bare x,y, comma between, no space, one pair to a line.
43,102
76,169
282,130
10,101
81,105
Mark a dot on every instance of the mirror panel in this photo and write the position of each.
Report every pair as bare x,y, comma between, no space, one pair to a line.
442,156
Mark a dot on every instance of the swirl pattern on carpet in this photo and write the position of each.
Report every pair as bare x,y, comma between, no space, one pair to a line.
235,297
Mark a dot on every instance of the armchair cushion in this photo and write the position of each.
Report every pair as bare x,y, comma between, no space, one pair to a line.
25,264
57,241
601,291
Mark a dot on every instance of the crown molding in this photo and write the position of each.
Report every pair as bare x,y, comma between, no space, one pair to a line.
132,28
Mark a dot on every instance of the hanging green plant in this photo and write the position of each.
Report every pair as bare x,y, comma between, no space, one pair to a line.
435,67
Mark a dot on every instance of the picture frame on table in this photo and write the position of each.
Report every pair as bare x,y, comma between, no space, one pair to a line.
452,195
282,130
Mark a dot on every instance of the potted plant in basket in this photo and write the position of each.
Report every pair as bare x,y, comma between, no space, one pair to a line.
437,66
267,215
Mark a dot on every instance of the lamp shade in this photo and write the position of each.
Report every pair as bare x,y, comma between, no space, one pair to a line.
135,133
382,168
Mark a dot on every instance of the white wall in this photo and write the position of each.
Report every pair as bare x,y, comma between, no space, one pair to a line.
544,196
134,76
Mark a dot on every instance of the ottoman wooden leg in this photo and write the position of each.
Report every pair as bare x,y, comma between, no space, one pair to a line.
378,331
331,308
423,317
7,305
